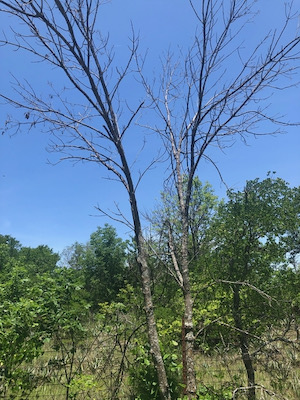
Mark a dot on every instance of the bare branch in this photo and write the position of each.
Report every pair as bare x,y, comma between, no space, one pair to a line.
261,292
62,33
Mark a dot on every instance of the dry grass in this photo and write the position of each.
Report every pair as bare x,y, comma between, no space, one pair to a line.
95,371
277,372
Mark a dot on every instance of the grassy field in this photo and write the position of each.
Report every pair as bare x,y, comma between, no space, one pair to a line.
99,371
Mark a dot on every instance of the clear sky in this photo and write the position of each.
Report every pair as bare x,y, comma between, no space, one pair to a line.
42,203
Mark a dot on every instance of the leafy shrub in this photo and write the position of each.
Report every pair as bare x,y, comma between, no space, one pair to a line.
143,377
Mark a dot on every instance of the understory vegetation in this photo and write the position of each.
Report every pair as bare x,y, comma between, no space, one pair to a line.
72,326
203,302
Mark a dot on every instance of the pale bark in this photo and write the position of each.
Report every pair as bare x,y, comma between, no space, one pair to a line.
190,378
63,34
142,260
151,325
202,102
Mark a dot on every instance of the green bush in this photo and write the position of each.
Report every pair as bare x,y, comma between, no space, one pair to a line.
143,377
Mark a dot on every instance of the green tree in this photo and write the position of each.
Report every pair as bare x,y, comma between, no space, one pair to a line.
12,245
41,259
247,242
167,223
72,256
22,332
105,265
37,303
66,308
102,263
166,218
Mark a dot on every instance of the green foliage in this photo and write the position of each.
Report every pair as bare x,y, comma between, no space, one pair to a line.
210,393
34,308
212,306
72,256
143,377
105,265
251,241
249,228
167,217
246,244
13,245
81,384
286,287
102,262
21,333
40,259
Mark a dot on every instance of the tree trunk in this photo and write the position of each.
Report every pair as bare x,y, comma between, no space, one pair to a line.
188,346
188,324
142,260
151,325
244,346
183,352
189,377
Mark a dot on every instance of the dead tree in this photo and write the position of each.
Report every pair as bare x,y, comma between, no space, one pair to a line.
214,94
64,34
210,96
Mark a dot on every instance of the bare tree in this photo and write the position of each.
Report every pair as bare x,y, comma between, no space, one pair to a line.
63,33
211,96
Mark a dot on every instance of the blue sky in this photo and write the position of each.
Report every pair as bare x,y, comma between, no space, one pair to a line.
42,203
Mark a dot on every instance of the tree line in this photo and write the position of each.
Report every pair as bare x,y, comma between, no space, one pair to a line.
244,265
